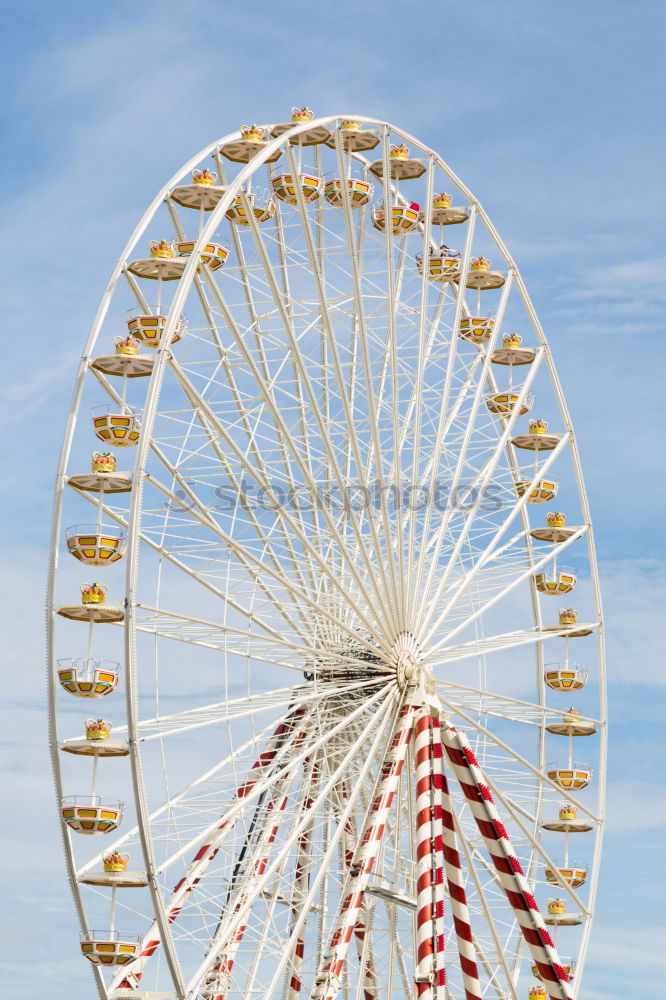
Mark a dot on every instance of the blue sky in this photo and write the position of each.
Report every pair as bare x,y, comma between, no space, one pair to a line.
552,114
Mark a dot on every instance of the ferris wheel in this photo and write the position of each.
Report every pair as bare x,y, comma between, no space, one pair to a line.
330,626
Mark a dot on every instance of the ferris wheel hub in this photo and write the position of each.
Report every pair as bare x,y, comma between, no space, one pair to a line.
408,669
409,666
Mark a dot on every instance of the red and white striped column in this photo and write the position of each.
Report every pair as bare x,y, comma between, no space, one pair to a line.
429,964
507,865
220,977
436,766
327,983
301,885
360,929
131,974
457,896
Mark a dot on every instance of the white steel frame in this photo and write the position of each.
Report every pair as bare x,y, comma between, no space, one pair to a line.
357,578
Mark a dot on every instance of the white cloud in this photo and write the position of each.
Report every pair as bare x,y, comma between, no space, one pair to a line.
633,278
634,806
627,959
633,603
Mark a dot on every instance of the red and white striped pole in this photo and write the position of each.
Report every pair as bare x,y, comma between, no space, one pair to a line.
301,884
327,983
360,929
456,887
508,867
438,849
131,974
220,978
429,962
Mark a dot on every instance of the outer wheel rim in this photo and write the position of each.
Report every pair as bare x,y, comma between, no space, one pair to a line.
153,399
